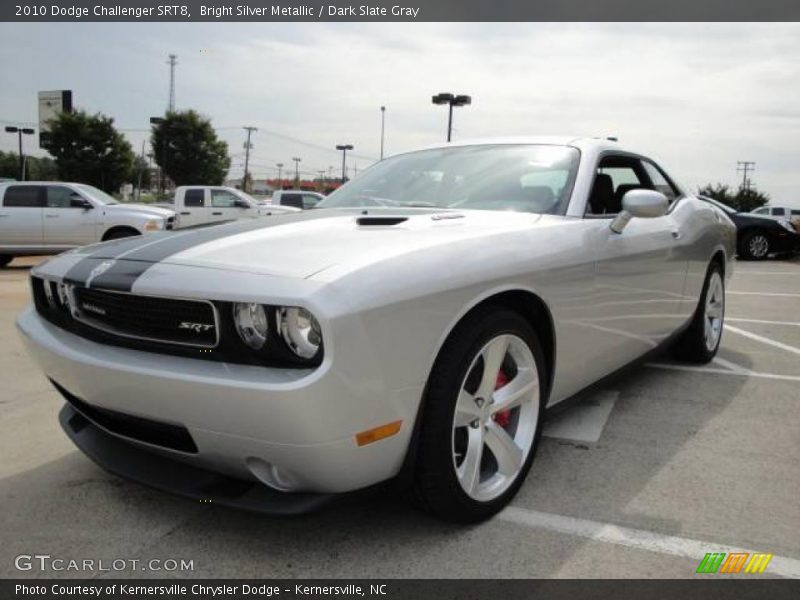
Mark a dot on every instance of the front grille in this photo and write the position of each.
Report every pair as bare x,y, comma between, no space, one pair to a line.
150,318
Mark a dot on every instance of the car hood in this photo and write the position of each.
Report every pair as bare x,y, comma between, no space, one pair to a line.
301,245
145,209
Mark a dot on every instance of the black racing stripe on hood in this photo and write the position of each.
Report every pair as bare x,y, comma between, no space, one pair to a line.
118,267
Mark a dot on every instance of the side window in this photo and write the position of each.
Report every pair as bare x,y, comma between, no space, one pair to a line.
795,212
761,211
59,196
222,199
615,176
778,212
660,182
194,198
309,201
23,196
295,200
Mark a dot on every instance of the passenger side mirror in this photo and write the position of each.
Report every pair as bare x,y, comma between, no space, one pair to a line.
76,201
642,204
241,204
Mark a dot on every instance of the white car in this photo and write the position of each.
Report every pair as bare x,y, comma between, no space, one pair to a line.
202,204
49,217
413,327
296,198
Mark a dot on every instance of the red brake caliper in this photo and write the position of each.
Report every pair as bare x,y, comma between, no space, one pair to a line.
503,417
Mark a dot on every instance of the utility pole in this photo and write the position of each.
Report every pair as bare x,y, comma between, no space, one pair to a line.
139,182
280,170
173,60
247,145
744,167
383,127
296,172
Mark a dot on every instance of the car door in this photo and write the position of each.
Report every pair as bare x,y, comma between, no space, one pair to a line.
640,273
224,206
195,208
68,218
21,216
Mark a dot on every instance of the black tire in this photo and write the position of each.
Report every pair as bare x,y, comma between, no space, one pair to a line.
754,245
436,486
5,259
118,234
692,346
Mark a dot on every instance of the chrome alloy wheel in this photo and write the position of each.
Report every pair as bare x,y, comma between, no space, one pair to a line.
759,246
495,417
714,311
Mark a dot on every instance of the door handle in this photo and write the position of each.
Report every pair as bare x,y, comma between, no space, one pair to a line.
4,214
217,214
51,215
186,213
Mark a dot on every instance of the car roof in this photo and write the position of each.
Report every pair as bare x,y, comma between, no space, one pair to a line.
583,143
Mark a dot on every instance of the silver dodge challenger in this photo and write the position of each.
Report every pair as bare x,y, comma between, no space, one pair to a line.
412,329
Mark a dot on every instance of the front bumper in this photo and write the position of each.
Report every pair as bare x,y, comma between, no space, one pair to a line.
243,420
160,472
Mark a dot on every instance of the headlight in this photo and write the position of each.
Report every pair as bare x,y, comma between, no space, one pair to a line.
154,225
300,331
787,225
251,324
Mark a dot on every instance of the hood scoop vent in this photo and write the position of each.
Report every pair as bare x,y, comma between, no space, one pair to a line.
380,221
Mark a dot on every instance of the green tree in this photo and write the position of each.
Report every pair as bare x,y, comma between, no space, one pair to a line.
186,147
88,149
141,175
743,200
36,169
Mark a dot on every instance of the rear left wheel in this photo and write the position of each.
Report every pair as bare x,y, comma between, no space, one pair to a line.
482,417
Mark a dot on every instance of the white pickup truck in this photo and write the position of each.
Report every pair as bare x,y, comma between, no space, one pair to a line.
198,205
49,217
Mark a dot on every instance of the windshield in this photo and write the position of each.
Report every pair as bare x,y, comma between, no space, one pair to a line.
526,178
96,194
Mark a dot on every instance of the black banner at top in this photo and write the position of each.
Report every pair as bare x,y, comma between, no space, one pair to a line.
400,10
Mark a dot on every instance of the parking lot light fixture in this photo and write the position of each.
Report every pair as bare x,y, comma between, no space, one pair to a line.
344,148
451,100
280,173
20,131
296,171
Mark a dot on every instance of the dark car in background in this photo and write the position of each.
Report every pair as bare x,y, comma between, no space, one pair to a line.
758,236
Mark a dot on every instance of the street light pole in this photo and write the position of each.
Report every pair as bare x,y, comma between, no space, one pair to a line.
280,170
344,148
451,100
383,127
249,129
296,172
161,175
19,131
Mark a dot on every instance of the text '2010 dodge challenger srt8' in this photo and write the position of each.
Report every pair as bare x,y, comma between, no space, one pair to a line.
413,327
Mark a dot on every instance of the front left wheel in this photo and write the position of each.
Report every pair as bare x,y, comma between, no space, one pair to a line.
700,342
482,417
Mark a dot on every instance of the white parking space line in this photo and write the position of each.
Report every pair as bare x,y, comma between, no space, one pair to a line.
762,339
583,422
730,365
781,273
738,373
637,538
781,294
763,322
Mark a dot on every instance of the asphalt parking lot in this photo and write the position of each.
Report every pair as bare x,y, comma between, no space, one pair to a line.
640,479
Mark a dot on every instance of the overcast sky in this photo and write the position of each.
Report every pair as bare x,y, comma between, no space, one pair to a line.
698,97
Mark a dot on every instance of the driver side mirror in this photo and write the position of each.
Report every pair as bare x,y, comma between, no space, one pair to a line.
76,201
642,204
241,204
